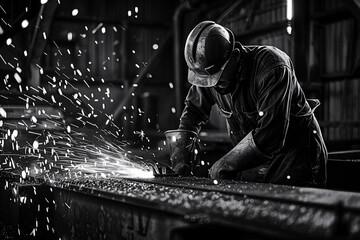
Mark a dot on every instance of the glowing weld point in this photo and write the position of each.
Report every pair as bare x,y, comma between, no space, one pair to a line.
215,182
173,138
261,113
288,177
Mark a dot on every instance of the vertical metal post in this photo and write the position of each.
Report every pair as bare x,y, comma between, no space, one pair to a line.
178,64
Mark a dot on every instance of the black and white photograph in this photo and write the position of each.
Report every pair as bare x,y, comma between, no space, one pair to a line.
180,119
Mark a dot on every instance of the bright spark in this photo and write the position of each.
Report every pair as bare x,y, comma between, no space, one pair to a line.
75,12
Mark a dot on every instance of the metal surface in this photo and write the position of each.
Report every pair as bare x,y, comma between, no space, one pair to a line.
176,208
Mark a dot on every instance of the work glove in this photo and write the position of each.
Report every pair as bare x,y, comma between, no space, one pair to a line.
184,150
245,155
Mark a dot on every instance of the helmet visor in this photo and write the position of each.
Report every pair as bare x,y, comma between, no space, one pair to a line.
204,78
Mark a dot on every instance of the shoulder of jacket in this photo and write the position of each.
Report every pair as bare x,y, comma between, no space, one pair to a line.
266,58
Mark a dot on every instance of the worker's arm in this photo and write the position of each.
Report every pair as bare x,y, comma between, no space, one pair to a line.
183,142
274,107
197,109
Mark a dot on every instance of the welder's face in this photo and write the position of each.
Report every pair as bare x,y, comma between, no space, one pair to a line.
227,80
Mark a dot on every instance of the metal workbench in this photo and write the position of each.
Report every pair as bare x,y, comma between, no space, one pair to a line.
174,208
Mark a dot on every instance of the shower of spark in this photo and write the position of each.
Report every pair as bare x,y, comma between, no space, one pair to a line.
106,160
59,155
58,149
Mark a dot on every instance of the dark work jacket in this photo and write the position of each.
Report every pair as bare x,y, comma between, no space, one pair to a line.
269,102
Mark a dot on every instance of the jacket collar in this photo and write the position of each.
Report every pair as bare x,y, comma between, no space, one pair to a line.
242,73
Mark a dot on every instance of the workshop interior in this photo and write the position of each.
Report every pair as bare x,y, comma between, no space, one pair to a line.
90,89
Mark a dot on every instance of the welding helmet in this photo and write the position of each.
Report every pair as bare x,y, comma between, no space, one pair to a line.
207,51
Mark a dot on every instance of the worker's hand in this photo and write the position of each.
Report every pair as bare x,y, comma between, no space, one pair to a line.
182,144
245,155
180,162
222,170
182,169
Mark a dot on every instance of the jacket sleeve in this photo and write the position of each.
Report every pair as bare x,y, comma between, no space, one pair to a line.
197,109
274,91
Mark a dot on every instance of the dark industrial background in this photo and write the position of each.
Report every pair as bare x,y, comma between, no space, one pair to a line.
118,65
138,54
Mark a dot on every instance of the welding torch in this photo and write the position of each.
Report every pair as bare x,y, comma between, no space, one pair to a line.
159,169
183,147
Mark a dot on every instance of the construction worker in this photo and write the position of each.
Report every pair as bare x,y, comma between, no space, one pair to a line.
272,126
